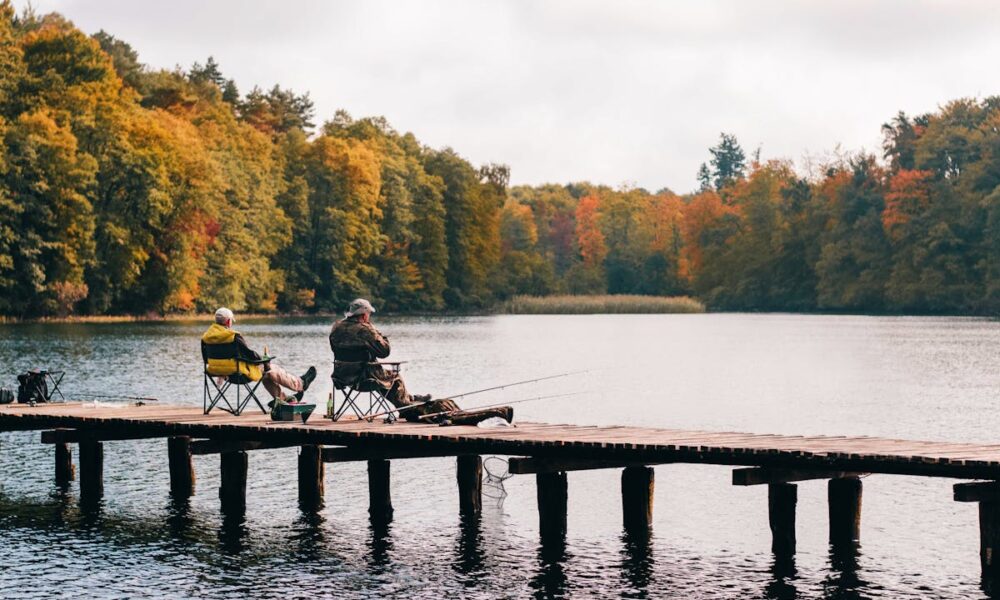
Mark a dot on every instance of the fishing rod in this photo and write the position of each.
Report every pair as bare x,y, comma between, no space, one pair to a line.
498,404
507,385
116,396
499,387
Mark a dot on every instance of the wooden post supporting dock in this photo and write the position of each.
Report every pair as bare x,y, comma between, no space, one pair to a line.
311,473
989,538
65,472
379,491
552,503
637,498
781,500
181,467
987,494
844,498
91,470
470,484
233,481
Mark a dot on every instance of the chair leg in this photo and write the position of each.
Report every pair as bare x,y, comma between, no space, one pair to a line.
378,404
252,393
350,402
211,399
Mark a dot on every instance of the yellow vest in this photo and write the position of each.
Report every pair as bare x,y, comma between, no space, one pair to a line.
220,360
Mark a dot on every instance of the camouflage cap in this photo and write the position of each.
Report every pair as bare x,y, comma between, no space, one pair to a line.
359,306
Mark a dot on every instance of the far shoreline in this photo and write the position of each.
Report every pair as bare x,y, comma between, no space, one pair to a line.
198,317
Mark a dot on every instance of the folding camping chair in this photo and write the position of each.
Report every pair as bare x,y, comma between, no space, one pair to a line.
218,386
39,385
353,391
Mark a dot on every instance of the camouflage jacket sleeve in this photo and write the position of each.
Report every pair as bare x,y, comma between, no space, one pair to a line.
245,353
376,342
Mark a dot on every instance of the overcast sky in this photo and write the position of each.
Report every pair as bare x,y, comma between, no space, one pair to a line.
615,92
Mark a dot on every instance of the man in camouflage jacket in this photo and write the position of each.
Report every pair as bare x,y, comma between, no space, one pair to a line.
357,345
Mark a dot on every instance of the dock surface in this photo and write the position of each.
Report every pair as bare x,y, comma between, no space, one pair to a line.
615,444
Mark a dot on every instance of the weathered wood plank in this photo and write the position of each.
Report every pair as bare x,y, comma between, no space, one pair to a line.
65,472
354,454
552,494
203,447
469,473
91,471
233,481
531,465
844,504
182,478
977,491
616,446
781,501
637,498
379,491
761,476
311,478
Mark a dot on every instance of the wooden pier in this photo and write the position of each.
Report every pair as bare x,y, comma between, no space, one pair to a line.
546,450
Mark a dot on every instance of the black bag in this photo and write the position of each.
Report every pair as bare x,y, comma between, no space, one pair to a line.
31,387
6,396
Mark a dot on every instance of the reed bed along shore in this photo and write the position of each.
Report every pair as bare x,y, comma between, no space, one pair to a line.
607,304
525,305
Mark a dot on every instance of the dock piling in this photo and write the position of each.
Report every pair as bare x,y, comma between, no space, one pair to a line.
65,472
181,466
379,491
989,538
637,497
552,503
781,500
233,481
311,474
987,495
844,498
470,484
91,470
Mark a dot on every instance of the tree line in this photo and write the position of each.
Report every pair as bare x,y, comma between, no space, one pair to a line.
125,189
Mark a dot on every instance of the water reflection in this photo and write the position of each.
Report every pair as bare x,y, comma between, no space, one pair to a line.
843,581
308,536
233,533
637,560
469,551
990,585
179,519
550,581
91,511
781,586
380,544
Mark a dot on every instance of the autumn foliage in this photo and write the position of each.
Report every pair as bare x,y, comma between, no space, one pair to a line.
130,190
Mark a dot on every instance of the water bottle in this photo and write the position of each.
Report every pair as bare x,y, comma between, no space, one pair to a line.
329,406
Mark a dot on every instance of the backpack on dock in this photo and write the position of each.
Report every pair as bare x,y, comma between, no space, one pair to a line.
31,387
6,395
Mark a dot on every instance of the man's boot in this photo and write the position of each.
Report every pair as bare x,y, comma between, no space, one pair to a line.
307,379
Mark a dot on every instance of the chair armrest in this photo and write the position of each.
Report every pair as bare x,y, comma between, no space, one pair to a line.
393,366
263,360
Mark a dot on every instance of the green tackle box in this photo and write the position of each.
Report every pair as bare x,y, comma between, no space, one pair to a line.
289,412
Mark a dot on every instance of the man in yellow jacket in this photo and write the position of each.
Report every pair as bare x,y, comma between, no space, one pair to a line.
221,342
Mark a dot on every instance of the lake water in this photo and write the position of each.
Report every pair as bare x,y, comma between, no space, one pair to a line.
921,378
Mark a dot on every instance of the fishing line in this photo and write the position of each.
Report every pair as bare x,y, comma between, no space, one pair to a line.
507,385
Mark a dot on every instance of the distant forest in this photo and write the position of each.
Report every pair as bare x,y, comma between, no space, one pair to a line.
128,190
